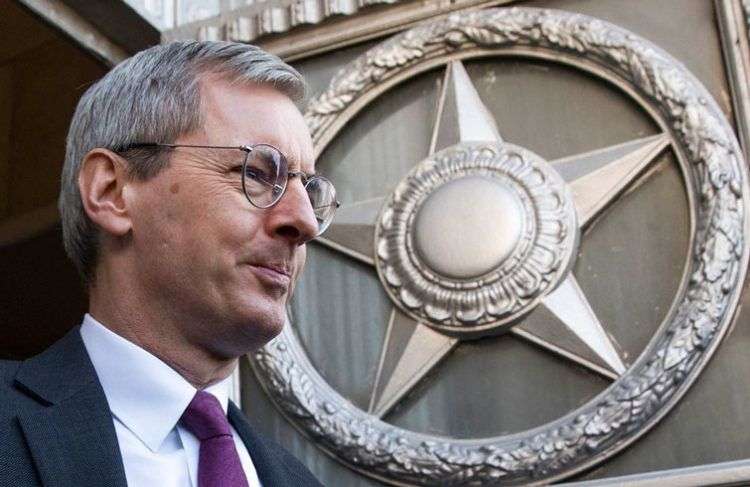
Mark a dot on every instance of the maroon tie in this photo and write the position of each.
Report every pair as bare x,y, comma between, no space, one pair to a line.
218,464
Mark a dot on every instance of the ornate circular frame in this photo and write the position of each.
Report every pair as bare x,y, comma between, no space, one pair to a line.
493,300
717,185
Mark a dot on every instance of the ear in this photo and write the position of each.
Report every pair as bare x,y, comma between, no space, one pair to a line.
101,181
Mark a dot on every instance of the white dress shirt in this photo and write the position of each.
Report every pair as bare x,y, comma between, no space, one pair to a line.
147,399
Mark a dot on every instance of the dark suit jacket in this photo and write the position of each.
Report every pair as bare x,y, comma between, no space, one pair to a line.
56,428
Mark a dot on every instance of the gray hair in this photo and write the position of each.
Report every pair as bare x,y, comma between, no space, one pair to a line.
153,96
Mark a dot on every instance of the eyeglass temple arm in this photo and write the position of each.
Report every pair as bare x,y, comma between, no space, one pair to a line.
175,146
337,204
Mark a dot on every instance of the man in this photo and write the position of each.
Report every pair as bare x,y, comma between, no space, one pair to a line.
187,198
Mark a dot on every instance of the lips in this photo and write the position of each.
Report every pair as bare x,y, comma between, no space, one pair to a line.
271,274
278,268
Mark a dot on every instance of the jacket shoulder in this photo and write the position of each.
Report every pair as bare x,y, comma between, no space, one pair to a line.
13,399
8,368
16,466
12,396
298,473
8,391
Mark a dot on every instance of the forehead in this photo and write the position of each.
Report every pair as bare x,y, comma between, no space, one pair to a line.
240,114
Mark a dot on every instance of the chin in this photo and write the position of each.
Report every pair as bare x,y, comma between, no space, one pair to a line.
244,339
267,331
251,318
257,328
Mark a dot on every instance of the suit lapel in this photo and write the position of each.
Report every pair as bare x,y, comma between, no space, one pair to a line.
271,470
72,440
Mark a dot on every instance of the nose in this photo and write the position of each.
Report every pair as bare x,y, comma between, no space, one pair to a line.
292,218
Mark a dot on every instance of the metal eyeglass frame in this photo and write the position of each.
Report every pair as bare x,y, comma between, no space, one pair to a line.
247,149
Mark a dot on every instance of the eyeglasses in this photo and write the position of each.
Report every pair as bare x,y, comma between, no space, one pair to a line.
265,175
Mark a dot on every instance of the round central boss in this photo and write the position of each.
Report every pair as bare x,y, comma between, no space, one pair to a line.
474,236
468,227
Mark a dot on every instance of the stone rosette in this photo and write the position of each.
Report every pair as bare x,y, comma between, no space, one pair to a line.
541,257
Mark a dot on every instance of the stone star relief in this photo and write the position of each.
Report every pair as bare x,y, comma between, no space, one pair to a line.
413,345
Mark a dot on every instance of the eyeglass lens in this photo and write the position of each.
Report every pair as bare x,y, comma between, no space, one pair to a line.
323,200
265,178
265,175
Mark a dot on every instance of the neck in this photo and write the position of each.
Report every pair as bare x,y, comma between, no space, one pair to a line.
135,318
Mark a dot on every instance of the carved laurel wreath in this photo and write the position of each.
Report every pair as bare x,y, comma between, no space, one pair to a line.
535,266
703,309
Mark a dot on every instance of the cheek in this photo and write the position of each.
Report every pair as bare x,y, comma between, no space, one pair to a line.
207,208
171,225
225,233
190,227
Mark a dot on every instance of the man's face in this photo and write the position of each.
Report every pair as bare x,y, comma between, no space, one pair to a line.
219,268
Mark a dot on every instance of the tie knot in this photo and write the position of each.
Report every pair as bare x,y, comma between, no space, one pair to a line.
205,418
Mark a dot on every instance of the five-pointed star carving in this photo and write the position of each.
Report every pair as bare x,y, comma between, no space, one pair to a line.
596,178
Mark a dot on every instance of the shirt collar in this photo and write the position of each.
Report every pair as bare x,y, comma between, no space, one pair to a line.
145,394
